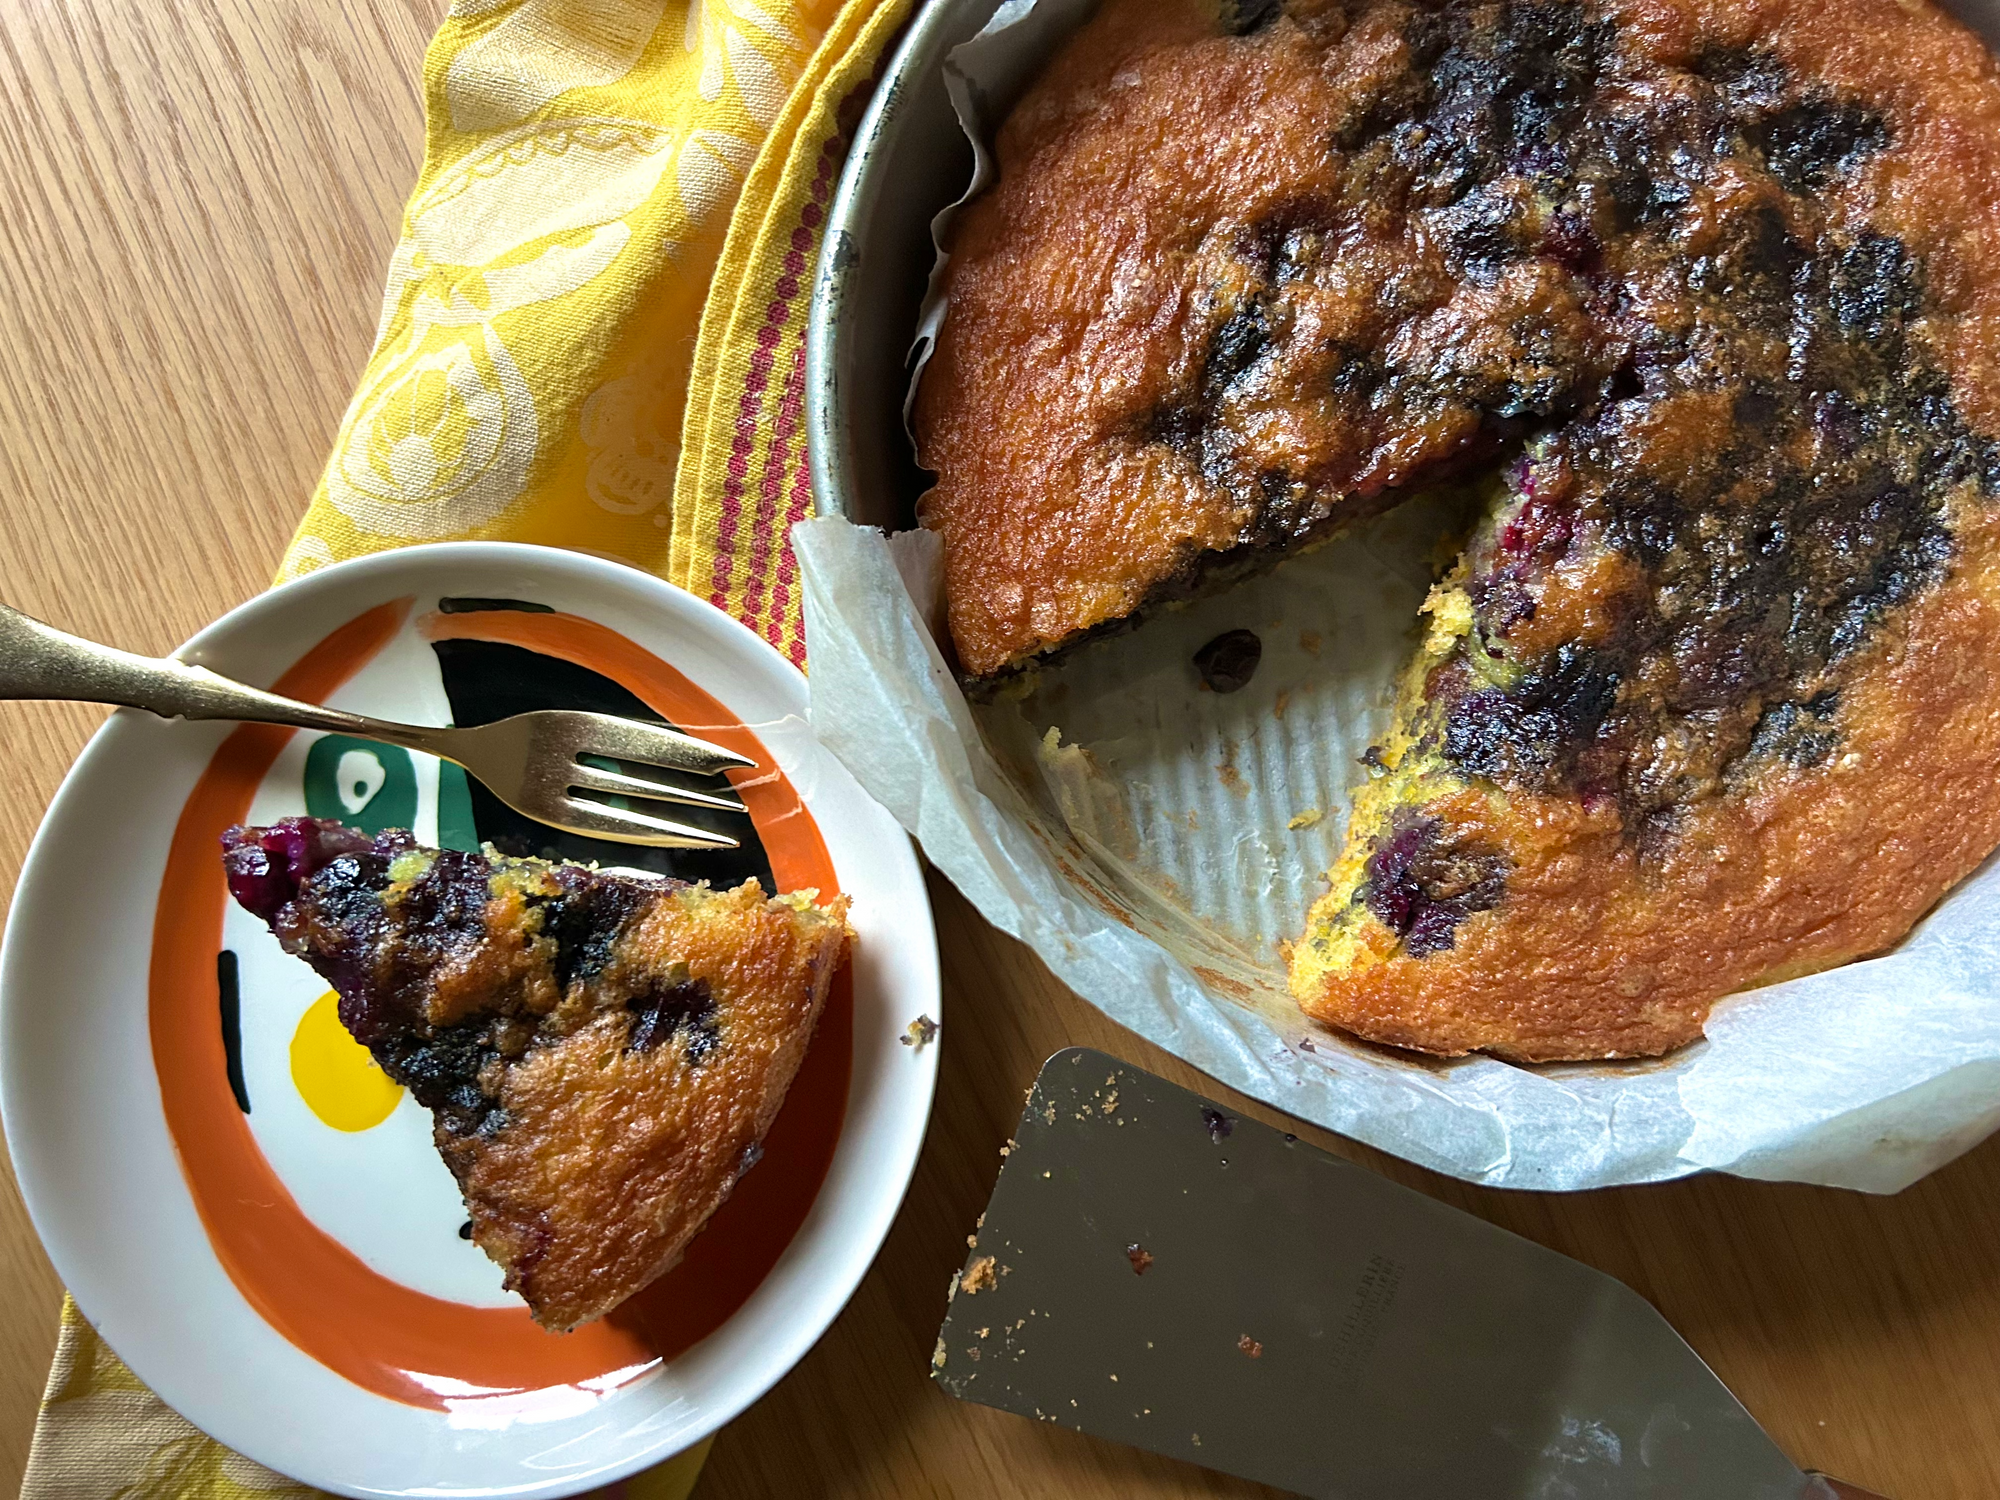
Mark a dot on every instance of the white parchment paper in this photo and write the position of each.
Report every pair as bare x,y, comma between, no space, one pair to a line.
1156,842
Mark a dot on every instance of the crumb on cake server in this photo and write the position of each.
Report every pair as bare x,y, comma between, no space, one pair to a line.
602,1054
1707,294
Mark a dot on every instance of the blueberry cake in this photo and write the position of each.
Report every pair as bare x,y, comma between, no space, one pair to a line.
1699,298
601,1054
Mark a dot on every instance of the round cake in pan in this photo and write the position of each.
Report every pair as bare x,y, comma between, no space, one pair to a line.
1703,296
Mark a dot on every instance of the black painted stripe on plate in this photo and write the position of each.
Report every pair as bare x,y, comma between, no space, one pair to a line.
232,1025
471,605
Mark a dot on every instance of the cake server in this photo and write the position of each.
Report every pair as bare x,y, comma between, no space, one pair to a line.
536,763
1156,1270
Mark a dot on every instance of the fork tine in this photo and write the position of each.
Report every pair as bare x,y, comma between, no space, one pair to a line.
597,779
601,820
656,745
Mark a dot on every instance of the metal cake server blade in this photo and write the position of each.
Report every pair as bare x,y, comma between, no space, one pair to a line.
1155,1270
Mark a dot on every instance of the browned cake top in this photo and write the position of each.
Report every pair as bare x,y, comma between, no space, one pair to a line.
1704,295
602,1054
1233,289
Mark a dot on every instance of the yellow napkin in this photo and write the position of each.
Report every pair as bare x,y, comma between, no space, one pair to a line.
621,203
593,336
102,1434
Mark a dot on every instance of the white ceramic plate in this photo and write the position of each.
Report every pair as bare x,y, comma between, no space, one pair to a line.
290,1275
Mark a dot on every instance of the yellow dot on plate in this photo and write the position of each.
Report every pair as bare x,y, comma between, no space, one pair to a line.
334,1073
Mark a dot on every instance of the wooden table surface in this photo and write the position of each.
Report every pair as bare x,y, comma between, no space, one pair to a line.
197,198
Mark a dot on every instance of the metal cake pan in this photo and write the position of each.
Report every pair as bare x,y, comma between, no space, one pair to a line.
909,161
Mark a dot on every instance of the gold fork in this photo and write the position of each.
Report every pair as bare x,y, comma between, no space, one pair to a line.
532,762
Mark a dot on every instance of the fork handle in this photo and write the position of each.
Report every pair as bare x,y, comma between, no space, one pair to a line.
39,661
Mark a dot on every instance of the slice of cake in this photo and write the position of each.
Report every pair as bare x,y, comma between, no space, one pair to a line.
602,1054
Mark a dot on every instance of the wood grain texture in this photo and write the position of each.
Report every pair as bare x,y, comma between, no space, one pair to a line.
197,198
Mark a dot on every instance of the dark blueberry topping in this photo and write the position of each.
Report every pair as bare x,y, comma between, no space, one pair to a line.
664,1009
449,899
1243,17
1219,1125
1807,144
1421,884
440,1066
1228,662
586,921
1537,731
266,866
327,894
1734,392
1233,348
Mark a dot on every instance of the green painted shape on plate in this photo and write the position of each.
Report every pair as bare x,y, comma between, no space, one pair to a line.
456,829
361,783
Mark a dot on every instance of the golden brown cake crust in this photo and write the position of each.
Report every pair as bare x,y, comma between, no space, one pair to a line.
1708,701
1099,436
615,1155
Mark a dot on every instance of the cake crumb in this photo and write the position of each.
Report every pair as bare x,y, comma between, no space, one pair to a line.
920,1033
1306,819
978,1276
1110,1104
937,1354
1140,1257
1250,1346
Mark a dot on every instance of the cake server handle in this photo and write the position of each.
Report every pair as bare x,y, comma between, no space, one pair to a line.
39,661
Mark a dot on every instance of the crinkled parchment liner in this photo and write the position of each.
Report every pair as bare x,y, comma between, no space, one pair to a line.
1157,842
